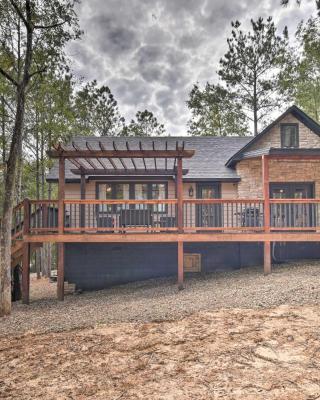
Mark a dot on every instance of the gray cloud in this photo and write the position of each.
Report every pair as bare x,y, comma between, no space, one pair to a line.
151,52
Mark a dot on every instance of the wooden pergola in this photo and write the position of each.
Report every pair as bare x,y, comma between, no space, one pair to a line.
108,162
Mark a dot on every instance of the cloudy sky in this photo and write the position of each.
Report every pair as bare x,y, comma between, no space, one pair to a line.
151,52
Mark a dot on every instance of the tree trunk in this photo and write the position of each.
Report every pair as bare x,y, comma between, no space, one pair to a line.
5,232
255,107
3,130
14,154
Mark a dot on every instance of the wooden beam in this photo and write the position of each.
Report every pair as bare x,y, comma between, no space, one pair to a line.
26,216
61,194
180,266
60,272
83,196
109,159
121,153
266,192
141,149
120,159
267,258
180,196
60,263
173,237
26,273
130,172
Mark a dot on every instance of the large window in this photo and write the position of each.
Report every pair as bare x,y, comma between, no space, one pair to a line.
108,191
289,135
137,191
159,192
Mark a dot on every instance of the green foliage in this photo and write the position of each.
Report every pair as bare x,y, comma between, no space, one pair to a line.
96,111
301,79
146,124
251,66
317,3
215,112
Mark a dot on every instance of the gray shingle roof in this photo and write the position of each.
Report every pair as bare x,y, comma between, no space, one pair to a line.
208,163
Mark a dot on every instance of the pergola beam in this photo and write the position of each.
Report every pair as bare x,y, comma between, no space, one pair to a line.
120,153
153,172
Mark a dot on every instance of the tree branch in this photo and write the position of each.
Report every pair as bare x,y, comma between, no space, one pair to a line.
6,75
49,26
20,13
38,71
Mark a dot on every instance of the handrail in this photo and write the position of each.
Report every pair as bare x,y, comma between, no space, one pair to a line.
110,202
295,201
222,201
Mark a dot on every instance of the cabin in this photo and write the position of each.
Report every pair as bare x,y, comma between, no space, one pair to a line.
134,208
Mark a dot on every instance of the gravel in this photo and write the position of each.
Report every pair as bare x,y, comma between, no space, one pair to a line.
159,299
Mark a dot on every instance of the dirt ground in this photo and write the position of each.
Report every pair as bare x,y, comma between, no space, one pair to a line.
266,351
225,354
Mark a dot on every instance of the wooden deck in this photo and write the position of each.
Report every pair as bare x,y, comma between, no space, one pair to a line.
177,220
139,221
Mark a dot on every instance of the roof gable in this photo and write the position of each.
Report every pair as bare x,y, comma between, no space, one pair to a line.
296,112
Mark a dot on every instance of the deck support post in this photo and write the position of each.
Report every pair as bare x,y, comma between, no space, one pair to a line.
26,273
180,266
266,197
179,196
26,254
267,258
60,264
60,275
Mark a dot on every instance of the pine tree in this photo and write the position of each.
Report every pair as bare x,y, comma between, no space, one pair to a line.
251,66
146,124
215,112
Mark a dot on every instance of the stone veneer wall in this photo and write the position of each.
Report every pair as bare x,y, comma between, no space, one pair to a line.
250,171
307,138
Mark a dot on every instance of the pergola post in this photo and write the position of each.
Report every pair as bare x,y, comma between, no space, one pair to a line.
179,195
82,196
26,255
61,194
180,222
266,197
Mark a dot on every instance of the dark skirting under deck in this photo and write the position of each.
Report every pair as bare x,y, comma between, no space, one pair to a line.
100,265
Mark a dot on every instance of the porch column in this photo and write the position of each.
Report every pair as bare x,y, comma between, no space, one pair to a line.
180,221
26,254
179,196
60,264
266,197
82,196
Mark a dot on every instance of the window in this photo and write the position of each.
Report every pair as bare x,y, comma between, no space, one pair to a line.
136,191
159,192
108,191
289,135
141,193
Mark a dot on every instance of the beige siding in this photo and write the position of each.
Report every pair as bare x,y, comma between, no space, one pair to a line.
229,190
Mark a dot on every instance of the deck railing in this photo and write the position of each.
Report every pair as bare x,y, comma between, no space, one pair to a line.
294,214
120,215
199,215
223,214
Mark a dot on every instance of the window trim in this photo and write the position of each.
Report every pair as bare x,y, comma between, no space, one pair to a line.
282,126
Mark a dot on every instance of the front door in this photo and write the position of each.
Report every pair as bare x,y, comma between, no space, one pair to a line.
292,215
208,215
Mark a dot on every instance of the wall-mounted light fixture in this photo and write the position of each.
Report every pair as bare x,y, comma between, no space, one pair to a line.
191,191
